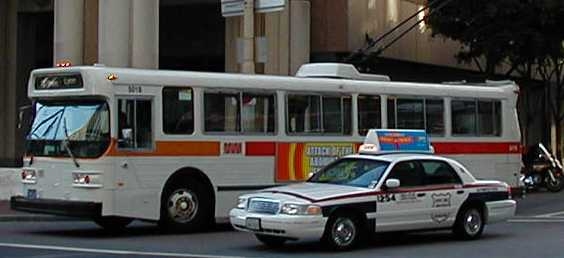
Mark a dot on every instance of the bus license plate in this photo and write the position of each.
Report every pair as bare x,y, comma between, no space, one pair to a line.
253,223
31,194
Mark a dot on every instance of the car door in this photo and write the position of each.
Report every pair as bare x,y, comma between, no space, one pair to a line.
444,191
405,207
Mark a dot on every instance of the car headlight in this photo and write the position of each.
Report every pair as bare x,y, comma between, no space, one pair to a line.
300,209
241,203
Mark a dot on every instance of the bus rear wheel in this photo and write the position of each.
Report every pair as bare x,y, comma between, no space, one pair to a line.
185,207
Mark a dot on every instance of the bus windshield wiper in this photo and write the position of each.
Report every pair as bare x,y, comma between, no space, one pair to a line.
66,143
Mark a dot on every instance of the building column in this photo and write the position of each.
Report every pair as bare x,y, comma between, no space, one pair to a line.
300,24
145,34
68,38
8,69
114,32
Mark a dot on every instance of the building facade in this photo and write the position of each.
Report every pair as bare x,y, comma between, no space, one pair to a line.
193,35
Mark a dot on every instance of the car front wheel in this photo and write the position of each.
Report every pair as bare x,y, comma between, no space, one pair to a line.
342,232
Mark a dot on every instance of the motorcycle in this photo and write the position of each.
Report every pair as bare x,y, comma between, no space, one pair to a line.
545,171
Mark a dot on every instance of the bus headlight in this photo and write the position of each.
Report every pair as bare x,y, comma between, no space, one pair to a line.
300,209
88,180
29,176
241,203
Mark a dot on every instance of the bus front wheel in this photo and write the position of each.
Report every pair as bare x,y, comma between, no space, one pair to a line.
185,207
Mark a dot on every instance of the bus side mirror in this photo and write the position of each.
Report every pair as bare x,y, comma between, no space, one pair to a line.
25,116
392,183
127,134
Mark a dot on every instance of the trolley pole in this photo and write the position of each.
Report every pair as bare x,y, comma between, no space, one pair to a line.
248,65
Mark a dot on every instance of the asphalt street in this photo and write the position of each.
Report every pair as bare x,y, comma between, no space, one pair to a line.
536,231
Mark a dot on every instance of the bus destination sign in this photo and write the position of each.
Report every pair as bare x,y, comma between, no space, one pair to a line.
58,82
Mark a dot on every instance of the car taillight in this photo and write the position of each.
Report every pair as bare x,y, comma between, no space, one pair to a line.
509,193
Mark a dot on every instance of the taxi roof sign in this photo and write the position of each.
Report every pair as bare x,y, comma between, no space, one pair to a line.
379,141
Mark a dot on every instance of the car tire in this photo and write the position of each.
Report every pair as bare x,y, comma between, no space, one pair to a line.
271,241
185,207
342,232
113,223
469,223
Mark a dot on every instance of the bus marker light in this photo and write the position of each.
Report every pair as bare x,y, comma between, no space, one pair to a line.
64,63
112,77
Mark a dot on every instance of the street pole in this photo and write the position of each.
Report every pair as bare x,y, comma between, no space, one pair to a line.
249,37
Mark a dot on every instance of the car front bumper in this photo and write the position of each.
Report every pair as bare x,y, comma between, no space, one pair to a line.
287,226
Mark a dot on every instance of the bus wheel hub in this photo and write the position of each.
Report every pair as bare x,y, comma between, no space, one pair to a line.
182,206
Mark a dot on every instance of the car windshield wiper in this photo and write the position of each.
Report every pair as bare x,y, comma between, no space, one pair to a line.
66,143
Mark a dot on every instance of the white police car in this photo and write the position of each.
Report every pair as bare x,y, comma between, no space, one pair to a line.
368,192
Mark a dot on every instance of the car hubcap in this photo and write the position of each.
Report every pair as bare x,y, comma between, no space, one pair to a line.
182,206
473,222
343,231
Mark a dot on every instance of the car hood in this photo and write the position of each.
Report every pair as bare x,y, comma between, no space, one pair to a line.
314,192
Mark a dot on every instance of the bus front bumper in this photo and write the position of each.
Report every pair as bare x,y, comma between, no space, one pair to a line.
56,207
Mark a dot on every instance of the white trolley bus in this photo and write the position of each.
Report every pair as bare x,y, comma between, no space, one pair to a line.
113,144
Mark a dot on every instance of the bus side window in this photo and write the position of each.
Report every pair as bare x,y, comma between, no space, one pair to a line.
368,113
178,110
135,124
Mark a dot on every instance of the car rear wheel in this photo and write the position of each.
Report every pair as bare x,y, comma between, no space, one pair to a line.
469,223
271,241
342,232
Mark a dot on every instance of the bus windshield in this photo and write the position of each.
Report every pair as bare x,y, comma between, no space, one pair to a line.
64,128
352,172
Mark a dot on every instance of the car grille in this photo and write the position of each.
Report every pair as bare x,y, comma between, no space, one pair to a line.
263,206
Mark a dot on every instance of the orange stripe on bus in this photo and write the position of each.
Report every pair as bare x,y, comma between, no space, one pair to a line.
170,148
282,166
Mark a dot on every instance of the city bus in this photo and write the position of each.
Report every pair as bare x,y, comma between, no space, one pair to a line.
178,147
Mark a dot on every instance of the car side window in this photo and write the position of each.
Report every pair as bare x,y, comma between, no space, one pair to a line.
439,172
408,173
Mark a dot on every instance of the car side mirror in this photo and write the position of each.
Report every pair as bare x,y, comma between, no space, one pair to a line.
392,183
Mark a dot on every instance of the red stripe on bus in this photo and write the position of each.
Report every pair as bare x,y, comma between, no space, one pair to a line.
477,147
260,148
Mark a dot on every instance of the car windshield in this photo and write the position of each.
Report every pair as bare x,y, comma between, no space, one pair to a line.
352,172
83,126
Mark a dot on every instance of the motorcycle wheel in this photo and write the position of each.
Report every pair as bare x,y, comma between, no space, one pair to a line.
554,186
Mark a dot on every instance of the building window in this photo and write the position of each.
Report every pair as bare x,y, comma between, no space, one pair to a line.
178,110
369,113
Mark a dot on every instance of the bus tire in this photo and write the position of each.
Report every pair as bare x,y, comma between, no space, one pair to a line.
113,223
185,207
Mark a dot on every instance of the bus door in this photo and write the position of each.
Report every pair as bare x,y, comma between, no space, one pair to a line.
135,144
